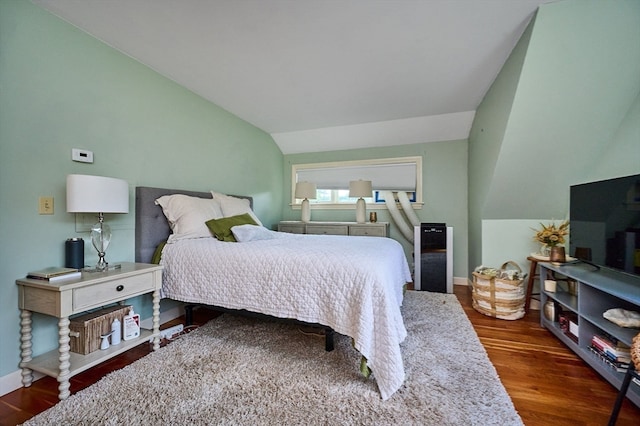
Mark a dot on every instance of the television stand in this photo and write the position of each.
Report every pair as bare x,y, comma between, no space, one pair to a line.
597,291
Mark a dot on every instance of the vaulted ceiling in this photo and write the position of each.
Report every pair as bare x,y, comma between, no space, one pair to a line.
321,74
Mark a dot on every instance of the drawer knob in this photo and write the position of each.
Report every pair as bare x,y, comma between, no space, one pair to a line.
120,288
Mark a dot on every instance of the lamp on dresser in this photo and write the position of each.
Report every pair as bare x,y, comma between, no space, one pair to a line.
98,194
306,191
360,188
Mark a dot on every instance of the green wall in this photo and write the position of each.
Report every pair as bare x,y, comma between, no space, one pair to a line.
620,154
62,89
444,185
485,141
571,117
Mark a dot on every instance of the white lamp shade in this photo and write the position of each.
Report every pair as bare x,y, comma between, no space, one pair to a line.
306,190
360,188
97,194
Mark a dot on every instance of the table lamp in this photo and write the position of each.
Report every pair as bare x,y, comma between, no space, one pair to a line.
360,188
98,194
305,190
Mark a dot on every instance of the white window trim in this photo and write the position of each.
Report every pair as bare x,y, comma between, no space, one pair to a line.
417,205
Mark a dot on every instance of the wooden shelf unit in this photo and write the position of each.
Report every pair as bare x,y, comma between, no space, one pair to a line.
598,291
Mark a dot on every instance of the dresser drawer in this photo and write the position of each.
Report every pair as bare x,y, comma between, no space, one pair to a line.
102,293
328,229
368,231
292,228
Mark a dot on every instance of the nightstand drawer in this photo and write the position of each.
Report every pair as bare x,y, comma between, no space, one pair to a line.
116,290
328,229
368,231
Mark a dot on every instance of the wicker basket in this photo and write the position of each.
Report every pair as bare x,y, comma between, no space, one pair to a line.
86,329
635,351
498,297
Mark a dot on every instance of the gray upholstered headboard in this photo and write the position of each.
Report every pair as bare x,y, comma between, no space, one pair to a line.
152,227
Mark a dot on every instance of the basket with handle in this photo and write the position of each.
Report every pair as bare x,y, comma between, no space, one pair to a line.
635,351
500,295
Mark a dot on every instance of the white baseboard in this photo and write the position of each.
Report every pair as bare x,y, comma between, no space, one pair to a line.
13,381
165,316
461,281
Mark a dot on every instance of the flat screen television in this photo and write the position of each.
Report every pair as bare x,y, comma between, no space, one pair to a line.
605,223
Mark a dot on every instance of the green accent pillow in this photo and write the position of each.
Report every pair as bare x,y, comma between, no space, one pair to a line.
157,255
221,228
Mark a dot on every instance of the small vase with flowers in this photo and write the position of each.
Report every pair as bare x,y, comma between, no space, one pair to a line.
552,238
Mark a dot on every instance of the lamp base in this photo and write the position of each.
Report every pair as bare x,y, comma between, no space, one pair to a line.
305,215
100,238
112,267
102,264
361,210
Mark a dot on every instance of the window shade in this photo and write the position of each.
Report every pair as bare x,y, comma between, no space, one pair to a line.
390,177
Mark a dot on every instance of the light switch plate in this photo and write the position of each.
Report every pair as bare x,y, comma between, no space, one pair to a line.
45,205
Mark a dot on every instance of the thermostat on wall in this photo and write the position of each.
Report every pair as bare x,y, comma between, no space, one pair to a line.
81,155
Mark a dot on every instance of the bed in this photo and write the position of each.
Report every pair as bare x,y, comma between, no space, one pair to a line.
353,285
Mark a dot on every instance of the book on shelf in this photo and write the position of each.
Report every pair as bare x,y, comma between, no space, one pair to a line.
54,273
620,367
611,341
615,349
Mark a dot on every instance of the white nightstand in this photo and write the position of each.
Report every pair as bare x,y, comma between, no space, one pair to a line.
65,298
368,229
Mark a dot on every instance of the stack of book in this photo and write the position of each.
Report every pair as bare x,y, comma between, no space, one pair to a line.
54,274
612,352
569,325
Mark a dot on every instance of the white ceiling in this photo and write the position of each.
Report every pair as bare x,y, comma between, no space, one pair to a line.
321,74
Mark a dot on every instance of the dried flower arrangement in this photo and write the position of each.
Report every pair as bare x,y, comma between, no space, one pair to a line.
552,235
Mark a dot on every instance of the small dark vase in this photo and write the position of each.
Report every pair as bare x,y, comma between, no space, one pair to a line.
557,254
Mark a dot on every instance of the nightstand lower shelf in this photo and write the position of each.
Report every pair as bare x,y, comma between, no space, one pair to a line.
49,363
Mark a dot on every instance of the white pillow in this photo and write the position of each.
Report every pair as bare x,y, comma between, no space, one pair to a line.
243,233
234,206
187,215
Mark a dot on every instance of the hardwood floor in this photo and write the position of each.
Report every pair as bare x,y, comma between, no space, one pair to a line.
549,385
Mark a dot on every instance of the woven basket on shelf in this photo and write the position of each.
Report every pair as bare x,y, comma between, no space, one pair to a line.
498,297
635,351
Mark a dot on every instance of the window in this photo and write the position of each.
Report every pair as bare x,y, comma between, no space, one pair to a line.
332,180
335,196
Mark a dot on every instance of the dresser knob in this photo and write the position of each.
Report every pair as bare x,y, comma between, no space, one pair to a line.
120,288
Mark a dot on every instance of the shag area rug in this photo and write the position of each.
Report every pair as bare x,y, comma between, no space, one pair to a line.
242,371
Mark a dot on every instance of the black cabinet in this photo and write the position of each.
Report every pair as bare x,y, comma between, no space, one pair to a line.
433,263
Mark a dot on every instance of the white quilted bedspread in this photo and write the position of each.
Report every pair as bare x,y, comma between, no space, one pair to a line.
351,284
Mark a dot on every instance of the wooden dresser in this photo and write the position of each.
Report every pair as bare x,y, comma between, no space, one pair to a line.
368,229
